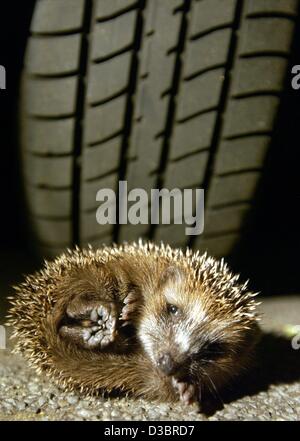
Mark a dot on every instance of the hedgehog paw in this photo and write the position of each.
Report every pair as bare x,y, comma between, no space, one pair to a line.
97,331
186,391
103,329
129,308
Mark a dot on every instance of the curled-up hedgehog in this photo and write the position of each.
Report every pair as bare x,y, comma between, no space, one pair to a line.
151,321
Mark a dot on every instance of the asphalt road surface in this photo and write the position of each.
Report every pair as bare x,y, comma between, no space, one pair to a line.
270,392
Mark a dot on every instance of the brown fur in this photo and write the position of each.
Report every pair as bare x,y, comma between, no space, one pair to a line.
108,275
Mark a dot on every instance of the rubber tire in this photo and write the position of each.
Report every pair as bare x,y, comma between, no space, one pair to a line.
173,93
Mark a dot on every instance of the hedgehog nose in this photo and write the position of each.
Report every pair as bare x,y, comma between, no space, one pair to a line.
166,364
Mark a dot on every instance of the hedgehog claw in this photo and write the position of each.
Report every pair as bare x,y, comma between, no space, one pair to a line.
129,308
94,315
104,312
186,391
131,298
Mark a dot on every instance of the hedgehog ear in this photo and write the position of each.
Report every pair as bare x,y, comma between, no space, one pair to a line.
171,274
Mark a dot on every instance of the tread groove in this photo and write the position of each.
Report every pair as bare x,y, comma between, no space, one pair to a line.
238,172
258,15
209,31
51,117
187,155
81,109
55,33
216,207
196,114
203,71
46,76
233,205
245,95
104,140
117,13
108,99
248,135
232,56
113,55
129,112
273,53
48,187
105,175
48,155
171,112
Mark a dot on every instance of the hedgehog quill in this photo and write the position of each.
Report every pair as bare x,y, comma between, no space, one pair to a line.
146,320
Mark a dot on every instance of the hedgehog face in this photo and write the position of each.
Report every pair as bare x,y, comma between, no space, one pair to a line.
184,335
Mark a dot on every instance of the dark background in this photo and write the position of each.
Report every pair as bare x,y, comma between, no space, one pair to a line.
269,253
15,256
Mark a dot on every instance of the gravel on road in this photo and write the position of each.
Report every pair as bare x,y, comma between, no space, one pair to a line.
271,392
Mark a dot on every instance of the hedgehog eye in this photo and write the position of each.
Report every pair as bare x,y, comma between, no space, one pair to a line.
214,350
172,309
216,347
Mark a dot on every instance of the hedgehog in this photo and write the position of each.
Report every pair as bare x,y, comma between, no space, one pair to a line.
141,319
